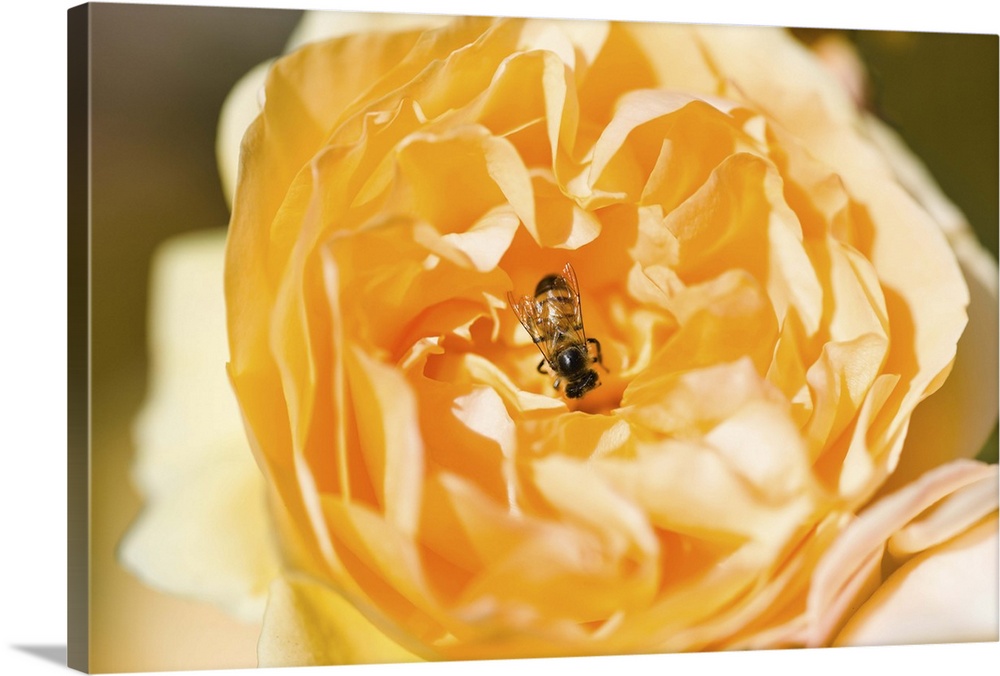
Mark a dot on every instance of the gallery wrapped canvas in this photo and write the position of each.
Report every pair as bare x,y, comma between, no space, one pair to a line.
432,338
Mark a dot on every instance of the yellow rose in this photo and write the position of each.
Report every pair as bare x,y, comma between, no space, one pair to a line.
774,293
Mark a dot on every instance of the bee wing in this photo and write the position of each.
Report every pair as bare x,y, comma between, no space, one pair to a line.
569,274
526,310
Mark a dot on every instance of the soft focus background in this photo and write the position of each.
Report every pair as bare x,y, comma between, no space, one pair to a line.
159,78
160,74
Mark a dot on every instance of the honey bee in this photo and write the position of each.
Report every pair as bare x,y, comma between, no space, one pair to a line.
554,321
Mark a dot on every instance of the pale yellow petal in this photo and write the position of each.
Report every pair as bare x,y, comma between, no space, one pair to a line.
204,531
242,105
950,516
208,538
310,624
321,25
947,594
863,541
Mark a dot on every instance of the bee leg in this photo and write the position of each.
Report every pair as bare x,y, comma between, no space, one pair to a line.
540,369
599,359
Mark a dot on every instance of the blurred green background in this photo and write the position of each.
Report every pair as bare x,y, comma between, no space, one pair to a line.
159,77
940,92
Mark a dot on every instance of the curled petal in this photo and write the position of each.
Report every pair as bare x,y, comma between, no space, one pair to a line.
947,594
835,584
971,392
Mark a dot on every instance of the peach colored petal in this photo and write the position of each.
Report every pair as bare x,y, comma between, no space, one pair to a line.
487,240
711,317
840,381
283,138
245,100
674,55
743,58
947,594
926,308
581,494
661,146
308,624
681,405
689,489
739,219
456,177
388,433
703,593
479,528
542,577
528,103
483,412
568,40
762,444
849,463
562,224
971,392
383,565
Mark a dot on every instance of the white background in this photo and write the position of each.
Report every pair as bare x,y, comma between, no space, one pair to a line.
33,330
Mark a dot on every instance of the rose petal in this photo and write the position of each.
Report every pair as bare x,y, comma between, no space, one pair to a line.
204,531
309,624
208,538
483,412
383,566
480,171
242,105
692,490
385,412
863,540
320,25
947,594
970,394
284,137
487,240
950,516
564,225
925,309
245,100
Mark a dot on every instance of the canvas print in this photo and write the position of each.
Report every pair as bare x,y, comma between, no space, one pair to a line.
447,338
